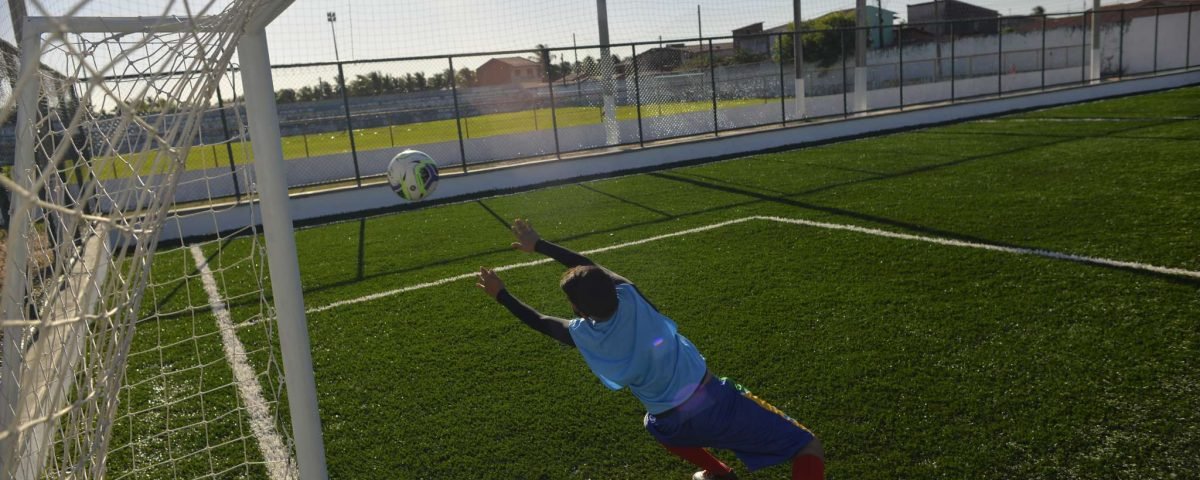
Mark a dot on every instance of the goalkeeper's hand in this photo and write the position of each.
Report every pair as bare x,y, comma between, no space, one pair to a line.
527,237
489,282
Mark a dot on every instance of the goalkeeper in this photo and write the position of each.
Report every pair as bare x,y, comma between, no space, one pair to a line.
627,342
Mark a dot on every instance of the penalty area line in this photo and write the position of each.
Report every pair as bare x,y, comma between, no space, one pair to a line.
278,460
1179,272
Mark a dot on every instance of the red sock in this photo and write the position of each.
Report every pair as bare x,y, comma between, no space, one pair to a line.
808,467
700,458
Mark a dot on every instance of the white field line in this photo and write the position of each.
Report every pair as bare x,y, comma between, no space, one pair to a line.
795,221
376,296
1085,119
278,460
995,248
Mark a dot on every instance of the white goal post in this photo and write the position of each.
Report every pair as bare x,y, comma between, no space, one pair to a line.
66,360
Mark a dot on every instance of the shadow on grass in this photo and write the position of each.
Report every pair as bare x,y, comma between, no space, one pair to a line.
783,198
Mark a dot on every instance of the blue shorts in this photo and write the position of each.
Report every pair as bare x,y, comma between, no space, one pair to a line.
722,414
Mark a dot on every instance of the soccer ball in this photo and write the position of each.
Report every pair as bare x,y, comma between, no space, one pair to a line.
413,175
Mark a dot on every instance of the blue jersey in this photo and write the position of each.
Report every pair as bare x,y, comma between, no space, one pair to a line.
640,348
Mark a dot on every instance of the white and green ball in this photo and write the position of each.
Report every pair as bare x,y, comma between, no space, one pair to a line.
413,175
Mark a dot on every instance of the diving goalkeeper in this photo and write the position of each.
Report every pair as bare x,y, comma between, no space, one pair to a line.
627,342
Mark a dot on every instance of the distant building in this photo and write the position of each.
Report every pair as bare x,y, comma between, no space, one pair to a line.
662,59
750,39
876,17
509,70
719,50
1110,14
967,19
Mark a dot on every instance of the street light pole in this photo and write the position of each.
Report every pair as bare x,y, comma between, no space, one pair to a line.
332,18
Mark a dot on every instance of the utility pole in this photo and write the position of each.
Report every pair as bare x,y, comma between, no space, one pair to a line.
611,129
699,23
798,57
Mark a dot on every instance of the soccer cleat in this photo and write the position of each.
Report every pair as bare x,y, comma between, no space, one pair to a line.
705,475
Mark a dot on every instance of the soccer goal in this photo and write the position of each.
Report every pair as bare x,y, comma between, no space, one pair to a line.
121,359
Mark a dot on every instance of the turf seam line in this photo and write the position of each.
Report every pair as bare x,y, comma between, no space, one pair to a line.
278,460
796,221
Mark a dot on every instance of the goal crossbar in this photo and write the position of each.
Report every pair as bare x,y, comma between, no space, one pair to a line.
158,24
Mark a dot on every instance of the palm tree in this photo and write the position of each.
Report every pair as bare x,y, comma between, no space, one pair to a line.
1039,10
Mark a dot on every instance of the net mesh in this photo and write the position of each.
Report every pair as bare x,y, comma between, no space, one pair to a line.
115,120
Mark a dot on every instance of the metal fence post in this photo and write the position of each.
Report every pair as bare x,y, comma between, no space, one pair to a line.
782,92
712,78
237,189
553,111
1187,50
349,123
1083,50
392,133
1156,14
458,120
1121,49
953,63
637,92
845,92
1043,62
1000,56
900,46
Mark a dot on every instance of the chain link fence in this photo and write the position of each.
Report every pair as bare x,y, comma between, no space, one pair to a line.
342,122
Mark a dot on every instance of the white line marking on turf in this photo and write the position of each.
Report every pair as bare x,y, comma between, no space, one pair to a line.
809,223
996,248
279,462
376,296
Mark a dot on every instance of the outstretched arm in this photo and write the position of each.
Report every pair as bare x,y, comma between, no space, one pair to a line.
528,240
552,327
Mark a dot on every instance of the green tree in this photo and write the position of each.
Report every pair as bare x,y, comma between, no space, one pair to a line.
439,81
465,77
589,66
286,95
823,39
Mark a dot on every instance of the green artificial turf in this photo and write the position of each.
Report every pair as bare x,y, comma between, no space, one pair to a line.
909,359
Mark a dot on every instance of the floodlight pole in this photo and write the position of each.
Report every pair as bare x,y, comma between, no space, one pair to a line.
281,253
331,17
611,129
860,56
1095,60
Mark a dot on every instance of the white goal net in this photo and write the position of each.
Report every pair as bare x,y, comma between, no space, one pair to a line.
122,359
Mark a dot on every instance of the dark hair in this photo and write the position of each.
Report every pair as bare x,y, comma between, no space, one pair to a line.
591,290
